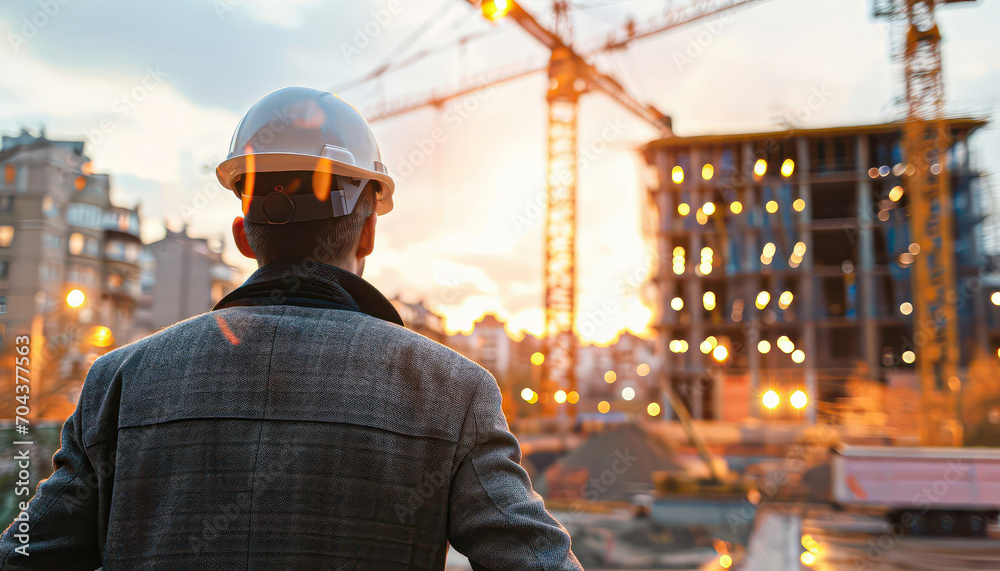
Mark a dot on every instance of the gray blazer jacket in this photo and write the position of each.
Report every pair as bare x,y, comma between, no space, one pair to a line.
297,427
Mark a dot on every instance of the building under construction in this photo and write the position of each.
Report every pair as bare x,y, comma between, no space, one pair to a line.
785,264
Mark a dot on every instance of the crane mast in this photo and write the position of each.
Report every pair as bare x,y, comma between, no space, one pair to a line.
925,144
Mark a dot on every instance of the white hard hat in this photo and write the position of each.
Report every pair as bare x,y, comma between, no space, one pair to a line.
298,129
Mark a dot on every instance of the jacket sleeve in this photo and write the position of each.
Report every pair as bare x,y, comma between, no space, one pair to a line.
495,518
60,531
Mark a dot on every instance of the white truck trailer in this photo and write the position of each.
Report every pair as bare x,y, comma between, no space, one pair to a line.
928,491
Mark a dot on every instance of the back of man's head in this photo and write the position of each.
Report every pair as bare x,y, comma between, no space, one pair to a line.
331,240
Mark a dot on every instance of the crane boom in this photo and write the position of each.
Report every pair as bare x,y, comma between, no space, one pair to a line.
670,20
436,100
585,70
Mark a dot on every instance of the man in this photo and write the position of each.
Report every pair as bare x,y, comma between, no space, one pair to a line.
297,425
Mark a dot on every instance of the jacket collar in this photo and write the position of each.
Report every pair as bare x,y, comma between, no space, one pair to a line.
311,284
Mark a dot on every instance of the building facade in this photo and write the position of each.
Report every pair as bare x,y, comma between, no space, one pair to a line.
785,264
60,232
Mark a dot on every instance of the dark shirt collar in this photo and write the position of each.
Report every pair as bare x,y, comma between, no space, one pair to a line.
311,284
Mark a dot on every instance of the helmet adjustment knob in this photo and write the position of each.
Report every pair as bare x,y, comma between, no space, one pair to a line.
278,208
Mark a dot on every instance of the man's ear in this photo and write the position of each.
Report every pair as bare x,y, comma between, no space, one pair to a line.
240,236
366,243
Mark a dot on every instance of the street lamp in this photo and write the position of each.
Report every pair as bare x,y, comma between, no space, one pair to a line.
75,298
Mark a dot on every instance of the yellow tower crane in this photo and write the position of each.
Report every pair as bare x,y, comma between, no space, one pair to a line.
571,74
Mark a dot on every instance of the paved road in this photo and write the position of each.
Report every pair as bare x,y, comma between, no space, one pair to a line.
860,542
856,542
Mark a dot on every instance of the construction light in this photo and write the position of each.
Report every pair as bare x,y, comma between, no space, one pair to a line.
909,357
785,299
683,209
75,298
560,396
770,399
798,356
708,208
628,393
764,347
573,397
787,168
736,207
496,9
799,399
799,205
762,299
610,377
603,407
785,344
653,409
537,358
771,206
677,175
760,167
720,353
707,171
677,304
527,393
708,299
896,193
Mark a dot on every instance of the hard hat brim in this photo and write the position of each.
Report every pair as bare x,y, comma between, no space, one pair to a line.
231,168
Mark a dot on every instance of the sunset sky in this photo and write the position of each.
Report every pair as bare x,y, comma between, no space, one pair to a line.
466,232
